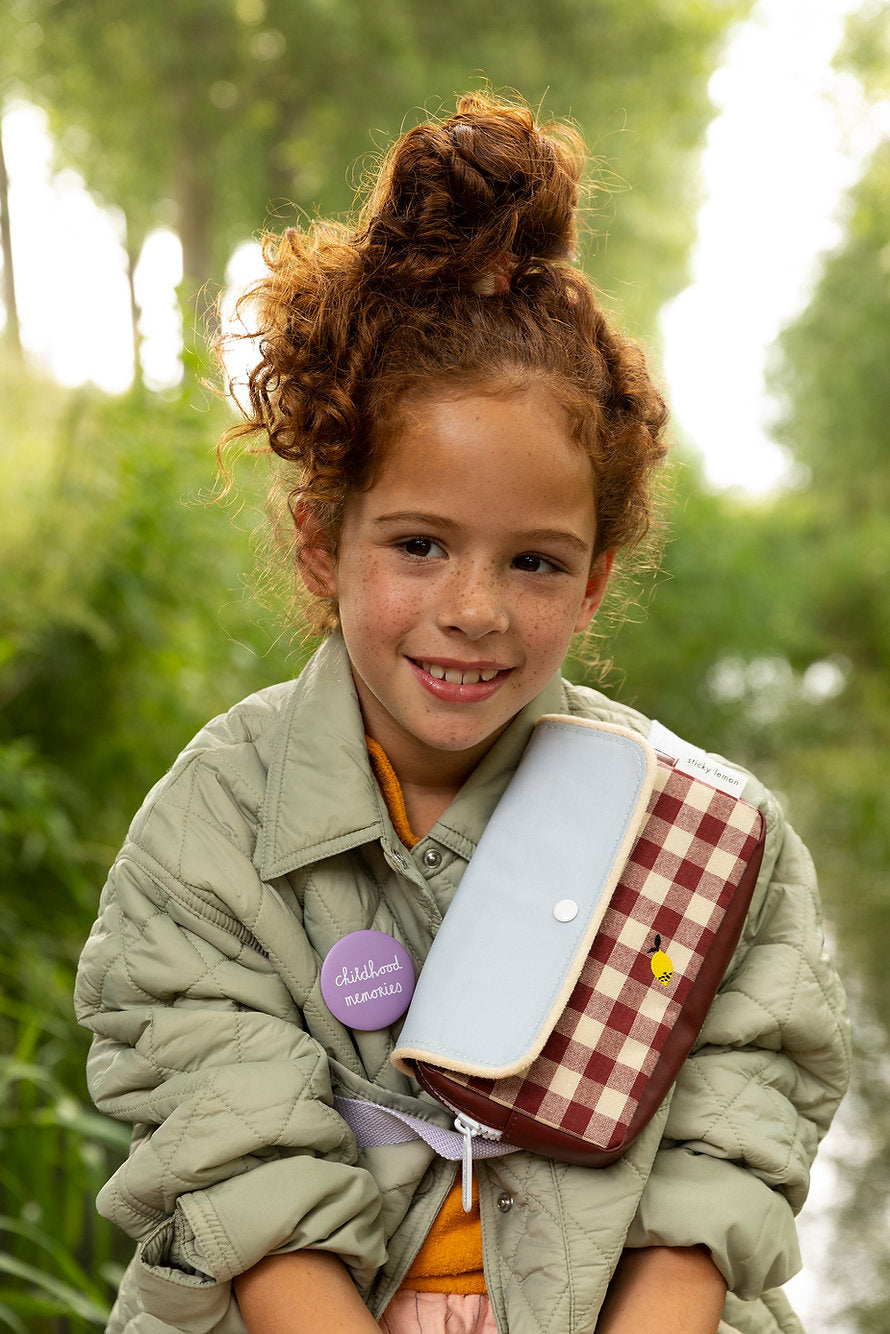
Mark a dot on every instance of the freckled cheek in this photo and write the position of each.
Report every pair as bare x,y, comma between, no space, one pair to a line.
395,612
382,608
547,634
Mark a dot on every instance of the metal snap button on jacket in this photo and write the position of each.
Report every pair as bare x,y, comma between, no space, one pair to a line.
432,858
505,1202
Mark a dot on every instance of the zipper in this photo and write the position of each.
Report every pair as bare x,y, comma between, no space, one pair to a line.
470,1129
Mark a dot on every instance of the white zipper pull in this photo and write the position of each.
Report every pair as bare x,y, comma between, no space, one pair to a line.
468,1128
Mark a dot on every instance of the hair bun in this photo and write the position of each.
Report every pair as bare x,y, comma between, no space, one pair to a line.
486,187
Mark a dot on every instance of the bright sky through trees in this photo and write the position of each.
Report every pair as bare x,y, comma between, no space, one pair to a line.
791,136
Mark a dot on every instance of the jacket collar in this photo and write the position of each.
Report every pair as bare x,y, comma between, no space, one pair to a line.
321,796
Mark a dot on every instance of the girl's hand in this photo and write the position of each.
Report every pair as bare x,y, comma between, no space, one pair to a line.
303,1292
664,1288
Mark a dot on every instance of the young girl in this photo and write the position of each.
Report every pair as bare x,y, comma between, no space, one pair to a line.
466,444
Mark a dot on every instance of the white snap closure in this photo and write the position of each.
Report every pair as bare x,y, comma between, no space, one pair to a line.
566,910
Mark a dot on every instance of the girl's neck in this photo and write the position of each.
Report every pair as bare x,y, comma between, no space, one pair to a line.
429,781
428,788
425,805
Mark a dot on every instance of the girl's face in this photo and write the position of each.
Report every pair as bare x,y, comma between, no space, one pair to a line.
463,572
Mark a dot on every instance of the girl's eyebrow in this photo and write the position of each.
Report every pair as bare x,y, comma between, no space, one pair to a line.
532,535
416,516
558,535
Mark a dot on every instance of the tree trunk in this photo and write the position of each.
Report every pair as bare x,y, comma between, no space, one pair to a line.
132,260
12,335
196,204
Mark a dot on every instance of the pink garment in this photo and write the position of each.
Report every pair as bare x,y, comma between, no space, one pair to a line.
438,1313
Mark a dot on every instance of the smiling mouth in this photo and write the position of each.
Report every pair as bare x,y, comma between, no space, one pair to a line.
456,676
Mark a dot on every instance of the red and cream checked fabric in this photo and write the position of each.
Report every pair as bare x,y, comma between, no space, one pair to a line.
691,853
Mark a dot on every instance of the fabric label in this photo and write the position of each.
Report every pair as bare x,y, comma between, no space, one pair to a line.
694,762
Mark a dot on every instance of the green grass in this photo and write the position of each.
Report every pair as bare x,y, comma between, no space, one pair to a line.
59,1262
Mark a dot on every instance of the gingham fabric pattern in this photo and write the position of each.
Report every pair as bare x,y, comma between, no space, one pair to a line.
689,857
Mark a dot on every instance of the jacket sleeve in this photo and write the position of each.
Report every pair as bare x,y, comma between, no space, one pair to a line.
759,1090
199,1043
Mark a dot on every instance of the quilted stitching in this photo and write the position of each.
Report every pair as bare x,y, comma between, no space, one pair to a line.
555,1277
196,966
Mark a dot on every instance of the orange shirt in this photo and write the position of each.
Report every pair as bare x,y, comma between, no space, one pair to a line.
450,1259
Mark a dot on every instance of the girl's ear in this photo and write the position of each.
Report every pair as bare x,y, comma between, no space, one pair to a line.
315,554
595,590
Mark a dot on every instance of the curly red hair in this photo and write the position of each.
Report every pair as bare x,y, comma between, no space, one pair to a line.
458,275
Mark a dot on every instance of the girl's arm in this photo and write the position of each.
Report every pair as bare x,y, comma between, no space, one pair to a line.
199,1039
663,1287
303,1292
756,1094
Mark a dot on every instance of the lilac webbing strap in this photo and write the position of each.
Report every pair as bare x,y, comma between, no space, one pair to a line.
375,1126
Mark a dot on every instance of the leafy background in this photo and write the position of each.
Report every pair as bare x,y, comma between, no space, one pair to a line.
126,611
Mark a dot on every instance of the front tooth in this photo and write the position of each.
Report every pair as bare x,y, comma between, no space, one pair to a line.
435,670
489,675
453,676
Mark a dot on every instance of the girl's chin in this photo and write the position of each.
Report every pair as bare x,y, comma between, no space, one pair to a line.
455,740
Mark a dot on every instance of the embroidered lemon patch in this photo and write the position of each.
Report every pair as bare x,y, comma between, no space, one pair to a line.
662,968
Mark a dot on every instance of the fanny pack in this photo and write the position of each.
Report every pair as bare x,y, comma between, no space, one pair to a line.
583,947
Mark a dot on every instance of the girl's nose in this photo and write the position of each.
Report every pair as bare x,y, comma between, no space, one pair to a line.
473,605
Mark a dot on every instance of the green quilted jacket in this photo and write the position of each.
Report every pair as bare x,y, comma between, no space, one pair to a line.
269,840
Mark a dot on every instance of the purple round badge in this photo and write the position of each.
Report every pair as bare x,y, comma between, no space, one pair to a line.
367,980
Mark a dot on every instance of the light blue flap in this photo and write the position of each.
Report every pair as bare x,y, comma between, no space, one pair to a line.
524,916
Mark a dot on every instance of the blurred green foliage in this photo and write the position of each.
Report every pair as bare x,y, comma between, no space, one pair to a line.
832,372
250,101
124,623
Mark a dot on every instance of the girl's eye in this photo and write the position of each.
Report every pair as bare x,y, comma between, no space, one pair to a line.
421,547
529,563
